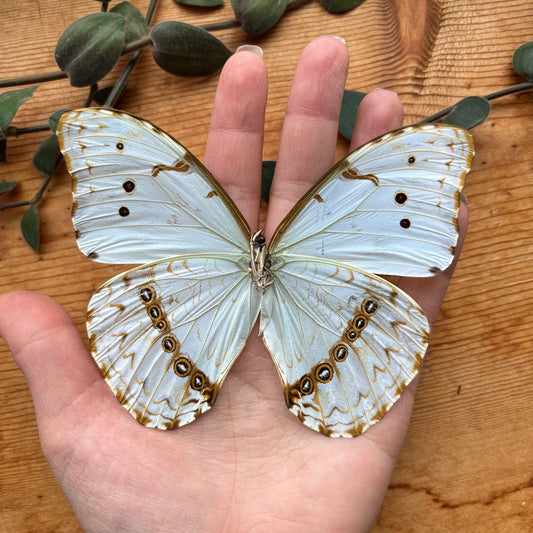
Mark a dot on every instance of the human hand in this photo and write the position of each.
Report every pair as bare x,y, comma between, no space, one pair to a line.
247,465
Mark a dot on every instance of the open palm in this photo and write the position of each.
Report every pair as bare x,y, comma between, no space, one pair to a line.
247,465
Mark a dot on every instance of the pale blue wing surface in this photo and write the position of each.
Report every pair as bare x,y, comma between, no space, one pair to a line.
139,195
390,207
345,343
166,334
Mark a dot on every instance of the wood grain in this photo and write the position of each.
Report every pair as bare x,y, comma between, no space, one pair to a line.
467,464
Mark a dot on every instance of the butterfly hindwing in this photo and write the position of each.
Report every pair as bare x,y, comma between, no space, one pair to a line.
166,334
139,195
345,343
389,207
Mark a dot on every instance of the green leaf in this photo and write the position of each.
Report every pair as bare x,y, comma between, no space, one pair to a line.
258,16
523,60
136,25
468,112
45,156
339,6
266,179
54,117
10,101
90,47
29,225
349,107
201,3
185,50
7,186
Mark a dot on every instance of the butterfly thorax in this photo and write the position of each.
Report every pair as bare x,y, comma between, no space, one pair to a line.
260,261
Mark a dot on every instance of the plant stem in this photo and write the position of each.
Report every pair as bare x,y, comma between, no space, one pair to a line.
13,131
498,94
122,82
30,80
224,25
34,200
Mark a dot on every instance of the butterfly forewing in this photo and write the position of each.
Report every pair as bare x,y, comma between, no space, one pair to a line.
345,343
139,195
390,207
166,334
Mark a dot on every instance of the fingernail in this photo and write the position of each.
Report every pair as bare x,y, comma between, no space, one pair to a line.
335,37
388,90
257,50
463,198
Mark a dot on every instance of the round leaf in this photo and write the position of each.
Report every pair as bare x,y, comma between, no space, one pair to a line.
54,117
468,112
338,6
258,16
188,51
10,101
45,156
349,107
29,225
7,186
266,179
136,25
523,60
90,47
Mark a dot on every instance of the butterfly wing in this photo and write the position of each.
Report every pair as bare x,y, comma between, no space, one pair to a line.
345,343
139,195
389,207
166,334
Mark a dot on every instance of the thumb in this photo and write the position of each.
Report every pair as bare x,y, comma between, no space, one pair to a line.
50,352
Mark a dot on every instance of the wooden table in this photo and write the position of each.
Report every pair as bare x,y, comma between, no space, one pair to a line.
467,462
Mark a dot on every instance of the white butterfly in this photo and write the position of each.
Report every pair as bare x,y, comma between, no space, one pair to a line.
345,342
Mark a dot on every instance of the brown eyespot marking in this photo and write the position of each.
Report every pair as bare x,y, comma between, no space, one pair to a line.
147,294
306,385
351,334
370,307
170,344
198,381
324,372
340,352
182,367
123,211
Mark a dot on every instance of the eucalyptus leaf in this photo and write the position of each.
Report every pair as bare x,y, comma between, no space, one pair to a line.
201,3
90,47
185,50
523,60
54,117
468,112
348,114
10,101
339,6
29,225
7,186
258,16
136,25
44,158
267,175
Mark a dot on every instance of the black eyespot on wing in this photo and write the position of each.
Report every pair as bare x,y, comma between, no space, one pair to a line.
129,186
119,146
411,160
405,223
400,198
123,211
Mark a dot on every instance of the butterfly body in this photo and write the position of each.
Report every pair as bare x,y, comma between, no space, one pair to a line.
345,341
